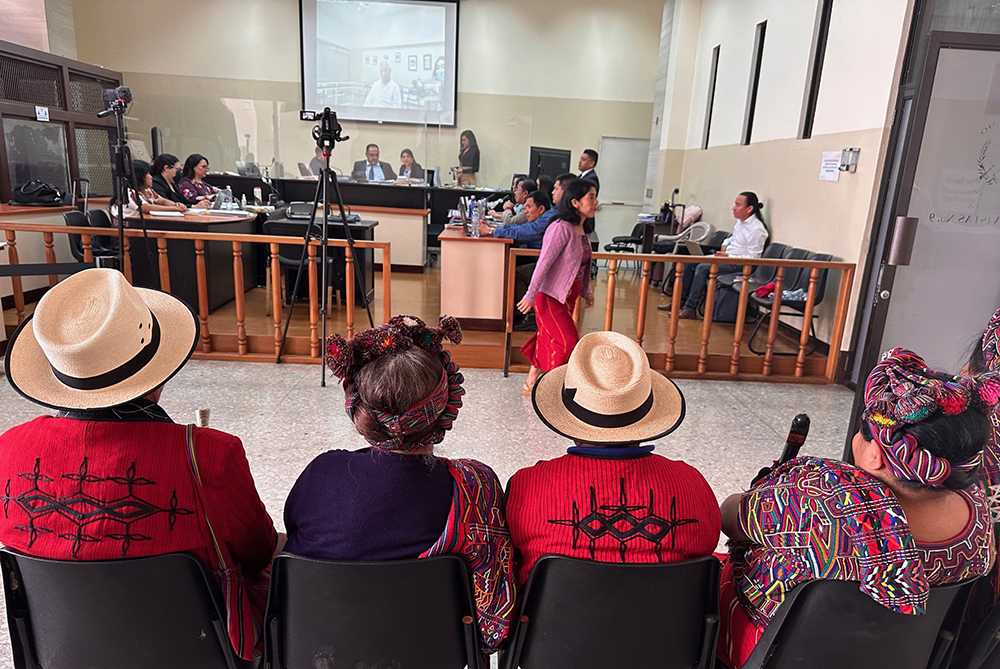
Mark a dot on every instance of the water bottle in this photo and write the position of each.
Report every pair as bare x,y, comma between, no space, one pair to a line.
243,201
228,199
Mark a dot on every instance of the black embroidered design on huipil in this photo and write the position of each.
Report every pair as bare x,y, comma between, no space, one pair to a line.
624,523
83,509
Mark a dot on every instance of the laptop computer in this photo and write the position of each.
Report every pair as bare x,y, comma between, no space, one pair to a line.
694,248
304,170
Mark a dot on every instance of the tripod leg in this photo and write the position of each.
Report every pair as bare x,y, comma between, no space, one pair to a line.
298,275
358,278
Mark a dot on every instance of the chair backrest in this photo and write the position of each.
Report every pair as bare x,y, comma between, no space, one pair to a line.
719,236
982,651
637,230
579,613
157,612
792,273
417,614
76,219
829,624
764,274
99,218
803,280
699,231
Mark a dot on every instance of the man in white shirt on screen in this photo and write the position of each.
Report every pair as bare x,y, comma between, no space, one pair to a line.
747,241
384,92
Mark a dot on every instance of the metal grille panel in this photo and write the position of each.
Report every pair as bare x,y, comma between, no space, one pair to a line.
31,83
85,93
36,151
93,154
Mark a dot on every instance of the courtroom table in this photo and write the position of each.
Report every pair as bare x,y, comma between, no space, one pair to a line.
181,256
474,278
357,195
364,258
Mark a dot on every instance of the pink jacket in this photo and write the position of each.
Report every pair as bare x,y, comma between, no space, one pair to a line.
563,254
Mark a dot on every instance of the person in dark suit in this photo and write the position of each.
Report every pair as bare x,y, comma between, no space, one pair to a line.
409,167
372,168
166,168
586,165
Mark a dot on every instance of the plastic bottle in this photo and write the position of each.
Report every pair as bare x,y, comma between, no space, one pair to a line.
228,200
243,201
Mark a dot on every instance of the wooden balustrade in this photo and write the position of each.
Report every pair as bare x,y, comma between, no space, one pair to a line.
242,345
700,361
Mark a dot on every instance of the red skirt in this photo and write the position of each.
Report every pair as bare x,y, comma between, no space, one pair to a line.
549,347
738,635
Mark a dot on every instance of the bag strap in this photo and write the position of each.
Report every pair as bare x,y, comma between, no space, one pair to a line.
221,550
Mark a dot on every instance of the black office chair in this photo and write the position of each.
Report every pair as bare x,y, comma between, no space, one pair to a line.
626,243
77,219
580,614
761,274
289,257
99,218
796,278
417,614
714,242
828,624
158,612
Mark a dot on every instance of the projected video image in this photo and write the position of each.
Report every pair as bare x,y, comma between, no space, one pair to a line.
381,61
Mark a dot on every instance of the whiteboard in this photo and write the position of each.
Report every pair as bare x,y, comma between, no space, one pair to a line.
622,169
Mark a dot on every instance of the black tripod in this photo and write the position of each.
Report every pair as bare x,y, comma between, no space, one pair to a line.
118,100
326,134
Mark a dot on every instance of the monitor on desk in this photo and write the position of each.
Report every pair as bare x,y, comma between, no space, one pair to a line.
548,161
246,169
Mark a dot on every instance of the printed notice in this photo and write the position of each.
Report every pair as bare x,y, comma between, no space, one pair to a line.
829,169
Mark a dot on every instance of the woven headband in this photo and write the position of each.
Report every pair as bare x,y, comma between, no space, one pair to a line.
440,407
901,391
991,343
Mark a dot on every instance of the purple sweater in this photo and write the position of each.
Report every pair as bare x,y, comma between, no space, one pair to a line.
564,253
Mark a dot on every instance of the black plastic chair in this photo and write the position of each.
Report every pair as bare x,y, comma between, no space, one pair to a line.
796,278
761,275
714,242
99,218
982,650
289,257
158,612
626,243
580,614
77,219
417,614
828,624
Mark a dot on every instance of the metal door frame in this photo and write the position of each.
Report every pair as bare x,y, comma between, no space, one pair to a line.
880,277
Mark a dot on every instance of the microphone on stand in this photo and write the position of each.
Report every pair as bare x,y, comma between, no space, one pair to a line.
793,443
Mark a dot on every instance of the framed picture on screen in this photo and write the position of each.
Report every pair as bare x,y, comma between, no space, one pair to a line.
413,63
427,61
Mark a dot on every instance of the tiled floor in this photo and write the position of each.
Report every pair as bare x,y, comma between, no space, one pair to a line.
285,419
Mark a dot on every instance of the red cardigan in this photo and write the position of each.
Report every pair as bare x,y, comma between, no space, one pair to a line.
98,490
611,508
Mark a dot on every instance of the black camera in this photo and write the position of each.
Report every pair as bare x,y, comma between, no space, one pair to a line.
329,131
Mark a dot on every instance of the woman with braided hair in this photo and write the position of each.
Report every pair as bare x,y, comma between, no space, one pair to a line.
908,515
396,500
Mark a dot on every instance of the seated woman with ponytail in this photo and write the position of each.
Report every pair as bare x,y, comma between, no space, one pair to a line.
908,515
396,500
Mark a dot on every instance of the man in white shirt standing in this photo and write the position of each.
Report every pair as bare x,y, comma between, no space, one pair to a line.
747,241
384,92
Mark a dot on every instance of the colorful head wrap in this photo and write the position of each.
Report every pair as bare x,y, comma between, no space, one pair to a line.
991,343
440,407
901,391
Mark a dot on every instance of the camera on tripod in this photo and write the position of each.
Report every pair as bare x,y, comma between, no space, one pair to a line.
329,131
117,99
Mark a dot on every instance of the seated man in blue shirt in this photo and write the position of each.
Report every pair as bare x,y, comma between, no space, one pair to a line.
539,212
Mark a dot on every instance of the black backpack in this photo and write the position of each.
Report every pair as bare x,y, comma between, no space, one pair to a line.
38,194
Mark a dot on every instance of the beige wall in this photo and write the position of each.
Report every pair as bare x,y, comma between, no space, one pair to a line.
558,74
859,74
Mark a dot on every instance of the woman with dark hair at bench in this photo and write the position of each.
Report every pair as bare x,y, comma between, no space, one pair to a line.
907,516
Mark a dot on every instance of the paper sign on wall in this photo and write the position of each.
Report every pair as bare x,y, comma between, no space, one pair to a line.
829,169
41,113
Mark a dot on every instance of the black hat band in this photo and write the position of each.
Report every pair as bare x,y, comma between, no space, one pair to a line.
605,420
120,373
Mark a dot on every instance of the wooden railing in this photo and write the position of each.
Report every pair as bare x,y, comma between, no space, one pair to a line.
698,362
224,346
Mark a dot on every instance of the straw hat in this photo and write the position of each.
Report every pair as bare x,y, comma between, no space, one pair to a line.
607,394
94,342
